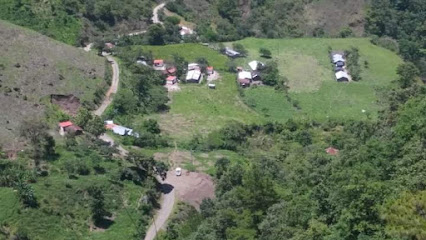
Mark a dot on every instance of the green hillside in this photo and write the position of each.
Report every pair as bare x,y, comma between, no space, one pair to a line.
33,67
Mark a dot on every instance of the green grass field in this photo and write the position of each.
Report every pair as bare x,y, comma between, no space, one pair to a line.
196,108
305,62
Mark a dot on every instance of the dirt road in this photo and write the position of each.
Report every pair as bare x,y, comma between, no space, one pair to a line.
167,203
155,18
113,89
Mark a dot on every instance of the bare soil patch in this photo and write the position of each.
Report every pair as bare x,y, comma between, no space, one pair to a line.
192,187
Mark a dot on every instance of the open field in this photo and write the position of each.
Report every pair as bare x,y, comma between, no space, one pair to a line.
33,66
196,109
306,64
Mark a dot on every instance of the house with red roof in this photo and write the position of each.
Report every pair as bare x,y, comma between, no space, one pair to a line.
69,127
210,70
332,151
170,80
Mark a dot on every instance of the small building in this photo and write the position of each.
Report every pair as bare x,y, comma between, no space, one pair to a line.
193,76
212,86
143,62
193,66
171,70
231,53
256,76
255,65
185,31
122,131
342,76
109,45
158,63
338,69
210,70
244,78
332,151
337,57
170,80
69,127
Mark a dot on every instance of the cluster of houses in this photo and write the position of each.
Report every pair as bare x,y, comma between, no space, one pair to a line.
246,77
193,74
340,67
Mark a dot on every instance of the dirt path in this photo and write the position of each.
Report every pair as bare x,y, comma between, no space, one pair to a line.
155,18
167,203
113,89
106,138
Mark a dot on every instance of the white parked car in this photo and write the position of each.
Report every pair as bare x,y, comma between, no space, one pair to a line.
178,171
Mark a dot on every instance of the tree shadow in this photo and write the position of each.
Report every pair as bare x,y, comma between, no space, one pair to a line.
166,188
104,223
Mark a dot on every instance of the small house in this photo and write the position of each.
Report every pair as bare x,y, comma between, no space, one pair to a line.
337,57
193,76
170,80
69,127
244,78
185,31
210,70
109,45
342,76
193,66
231,53
158,63
255,65
332,151
171,70
143,62
212,86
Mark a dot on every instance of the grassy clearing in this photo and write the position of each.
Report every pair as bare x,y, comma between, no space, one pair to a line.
196,108
306,64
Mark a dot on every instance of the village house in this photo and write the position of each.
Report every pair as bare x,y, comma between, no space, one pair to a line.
231,53
159,65
255,65
332,151
342,76
170,80
185,31
69,127
193,66
244,78
193,76
210,70
119,130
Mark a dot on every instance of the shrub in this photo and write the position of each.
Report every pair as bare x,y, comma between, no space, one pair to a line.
266,53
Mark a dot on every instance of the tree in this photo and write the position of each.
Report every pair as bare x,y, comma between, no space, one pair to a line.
95,126
42,144
83,117
97,204
221,166
266,53
155,34
239,48
26,194
408,74
151,126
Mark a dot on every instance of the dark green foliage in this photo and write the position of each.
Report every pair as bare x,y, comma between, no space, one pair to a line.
239,48
352,63
271,75
345,32
151,126
173,20
266,53
156,34
408,74
26,195
97,204
42,144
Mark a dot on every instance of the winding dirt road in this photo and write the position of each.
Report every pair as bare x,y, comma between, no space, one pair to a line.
112,90
155,18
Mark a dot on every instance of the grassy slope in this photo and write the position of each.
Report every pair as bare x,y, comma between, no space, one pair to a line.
46,67
314,87
197,109
64,211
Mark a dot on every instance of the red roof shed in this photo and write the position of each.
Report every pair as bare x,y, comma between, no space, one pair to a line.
65,124
332,151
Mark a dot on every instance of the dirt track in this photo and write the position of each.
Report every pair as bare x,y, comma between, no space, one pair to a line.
155,18
113,89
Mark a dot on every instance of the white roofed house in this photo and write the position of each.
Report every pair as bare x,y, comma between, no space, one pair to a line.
254,65
244,78
231,53
342,76
193,76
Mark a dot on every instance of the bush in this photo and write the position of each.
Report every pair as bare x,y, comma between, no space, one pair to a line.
345,32
266,53
385,42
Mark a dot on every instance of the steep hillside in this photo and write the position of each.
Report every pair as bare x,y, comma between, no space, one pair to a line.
34,67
